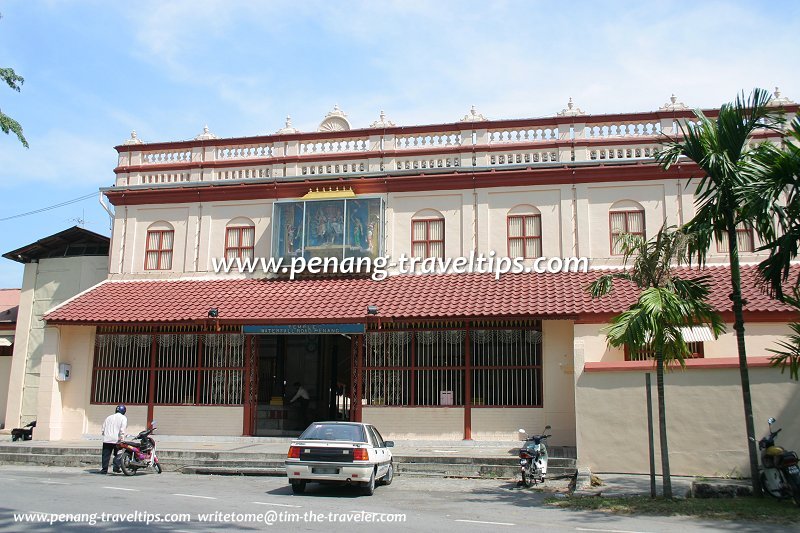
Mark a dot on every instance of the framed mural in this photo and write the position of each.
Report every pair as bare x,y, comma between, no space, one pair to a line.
351,227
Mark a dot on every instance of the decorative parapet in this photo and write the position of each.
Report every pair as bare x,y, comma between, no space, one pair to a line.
569,137
473,116
571,110
336,120
780,101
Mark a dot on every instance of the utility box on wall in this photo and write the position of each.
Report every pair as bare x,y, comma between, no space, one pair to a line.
64,370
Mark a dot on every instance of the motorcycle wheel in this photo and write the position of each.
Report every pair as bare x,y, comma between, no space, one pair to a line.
527,478
125,464
157,467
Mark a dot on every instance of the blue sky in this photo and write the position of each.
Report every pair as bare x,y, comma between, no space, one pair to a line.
95,70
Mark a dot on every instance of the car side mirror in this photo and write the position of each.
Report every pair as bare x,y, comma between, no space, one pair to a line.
388,443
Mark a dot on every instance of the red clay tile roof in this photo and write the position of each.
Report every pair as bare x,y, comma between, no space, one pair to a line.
345,300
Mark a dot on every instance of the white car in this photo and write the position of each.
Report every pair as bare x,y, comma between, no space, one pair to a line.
340,452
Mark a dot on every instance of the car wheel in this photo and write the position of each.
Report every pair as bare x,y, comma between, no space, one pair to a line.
369,487
298,487
387,479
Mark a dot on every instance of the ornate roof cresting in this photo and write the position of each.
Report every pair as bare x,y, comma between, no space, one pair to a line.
382,122
205,135
673,104
288,128
570,110
778,100
473,116
134,139
336,120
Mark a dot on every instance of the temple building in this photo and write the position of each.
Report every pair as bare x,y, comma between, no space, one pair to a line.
457,354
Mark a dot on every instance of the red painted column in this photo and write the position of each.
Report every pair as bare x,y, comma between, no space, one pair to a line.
467,385
359,376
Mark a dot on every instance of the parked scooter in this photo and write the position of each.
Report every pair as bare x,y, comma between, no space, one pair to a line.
780,472
533,458
139,453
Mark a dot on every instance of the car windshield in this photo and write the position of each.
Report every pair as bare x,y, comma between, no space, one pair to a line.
345,432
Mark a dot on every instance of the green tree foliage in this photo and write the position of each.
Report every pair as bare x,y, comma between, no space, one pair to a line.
8,124
666,304
729,163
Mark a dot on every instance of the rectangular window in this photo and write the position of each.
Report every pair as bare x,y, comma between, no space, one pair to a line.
625,222
427,238
187,369
745,240
525,236
158,255
695,351
240,242
430,367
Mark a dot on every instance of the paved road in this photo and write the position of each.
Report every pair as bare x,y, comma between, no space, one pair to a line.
425,504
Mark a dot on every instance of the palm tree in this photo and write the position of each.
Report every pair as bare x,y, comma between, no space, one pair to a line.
666,304
722,150
767,204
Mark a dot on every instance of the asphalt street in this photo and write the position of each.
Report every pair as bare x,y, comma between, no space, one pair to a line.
48,498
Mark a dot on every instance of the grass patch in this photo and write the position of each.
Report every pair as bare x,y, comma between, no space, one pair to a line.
744,508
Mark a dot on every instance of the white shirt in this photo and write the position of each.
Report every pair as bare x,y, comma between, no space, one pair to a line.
114,427
301,393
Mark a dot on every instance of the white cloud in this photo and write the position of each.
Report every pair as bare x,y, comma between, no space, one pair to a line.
85,162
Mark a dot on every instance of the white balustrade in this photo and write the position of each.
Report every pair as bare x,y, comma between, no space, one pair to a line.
338,167
430,162
623,129
164,177
607,153
334,146
252,151
522,134
242,173
428,140
526,157
167,156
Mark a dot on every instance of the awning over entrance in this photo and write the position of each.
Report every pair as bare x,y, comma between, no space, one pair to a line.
260,301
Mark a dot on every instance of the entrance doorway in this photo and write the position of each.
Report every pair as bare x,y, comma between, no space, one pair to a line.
320,364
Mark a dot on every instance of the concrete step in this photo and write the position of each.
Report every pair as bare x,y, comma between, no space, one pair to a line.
243,463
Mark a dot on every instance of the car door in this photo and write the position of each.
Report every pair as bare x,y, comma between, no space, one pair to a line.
381,452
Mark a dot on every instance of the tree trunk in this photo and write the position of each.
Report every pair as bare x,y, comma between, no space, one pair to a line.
662,425
738,325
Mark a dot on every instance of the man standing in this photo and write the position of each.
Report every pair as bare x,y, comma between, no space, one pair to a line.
302,398
113,431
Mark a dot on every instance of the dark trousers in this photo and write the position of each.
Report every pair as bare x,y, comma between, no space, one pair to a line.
108,449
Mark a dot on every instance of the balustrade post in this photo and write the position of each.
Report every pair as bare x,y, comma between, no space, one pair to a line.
292,149
580,149
389,145
481,159
374,147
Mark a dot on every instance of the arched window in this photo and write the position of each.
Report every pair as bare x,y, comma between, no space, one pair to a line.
158,248
625,217
427,234
524,225
240,236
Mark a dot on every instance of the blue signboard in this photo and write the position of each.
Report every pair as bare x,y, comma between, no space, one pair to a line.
306,329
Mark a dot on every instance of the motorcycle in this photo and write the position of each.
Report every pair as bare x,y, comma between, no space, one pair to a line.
533,458
780,473
139,453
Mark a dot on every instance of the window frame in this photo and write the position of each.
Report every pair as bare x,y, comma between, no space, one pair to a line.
744,229
160,250
524,237
427,241
239,249
627,213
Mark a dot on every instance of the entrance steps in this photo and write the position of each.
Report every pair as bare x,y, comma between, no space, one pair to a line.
266,457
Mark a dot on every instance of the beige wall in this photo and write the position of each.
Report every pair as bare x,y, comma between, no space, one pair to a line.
398,423
216,420
704,415
45,285
5,374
